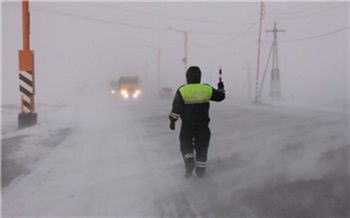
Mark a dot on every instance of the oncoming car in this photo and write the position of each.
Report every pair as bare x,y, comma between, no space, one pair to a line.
166,92
130,93
128,87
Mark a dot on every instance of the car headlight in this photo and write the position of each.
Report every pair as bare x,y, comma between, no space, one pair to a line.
124,92
137,92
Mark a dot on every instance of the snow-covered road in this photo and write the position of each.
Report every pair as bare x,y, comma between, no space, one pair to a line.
113,158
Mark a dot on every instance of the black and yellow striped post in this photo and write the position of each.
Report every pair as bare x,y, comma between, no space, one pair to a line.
26,75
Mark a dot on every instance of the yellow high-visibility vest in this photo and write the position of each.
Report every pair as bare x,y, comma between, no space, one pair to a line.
196,93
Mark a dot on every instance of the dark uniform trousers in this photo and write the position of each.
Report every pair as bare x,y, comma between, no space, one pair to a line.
195,137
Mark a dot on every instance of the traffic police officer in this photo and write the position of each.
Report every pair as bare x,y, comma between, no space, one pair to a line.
191,104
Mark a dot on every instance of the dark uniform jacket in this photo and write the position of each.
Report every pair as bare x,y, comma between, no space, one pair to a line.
191,101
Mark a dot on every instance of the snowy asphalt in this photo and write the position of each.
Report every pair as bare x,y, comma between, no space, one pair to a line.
120,159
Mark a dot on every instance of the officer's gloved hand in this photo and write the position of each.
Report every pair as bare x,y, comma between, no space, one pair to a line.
221,85
172,125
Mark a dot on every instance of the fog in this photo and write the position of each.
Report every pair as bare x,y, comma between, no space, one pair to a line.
119,159
82,46
94,154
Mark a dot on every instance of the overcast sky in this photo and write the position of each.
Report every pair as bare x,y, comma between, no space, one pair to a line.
80,47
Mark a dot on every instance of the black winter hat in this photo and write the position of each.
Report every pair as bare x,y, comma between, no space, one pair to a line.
193,75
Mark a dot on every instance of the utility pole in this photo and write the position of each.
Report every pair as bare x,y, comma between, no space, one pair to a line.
248,79
26,74
185,59
158,67
275,87
258,58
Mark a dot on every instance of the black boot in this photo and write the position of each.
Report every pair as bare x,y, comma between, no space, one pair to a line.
189,165
200,171
188,174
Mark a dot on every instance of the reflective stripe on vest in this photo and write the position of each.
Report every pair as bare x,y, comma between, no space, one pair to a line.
196,93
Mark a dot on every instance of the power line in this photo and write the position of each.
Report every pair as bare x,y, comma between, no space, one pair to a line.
59,13
309,15
314,37
54,12
228,56
302,11
163,16
285,41
230,40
